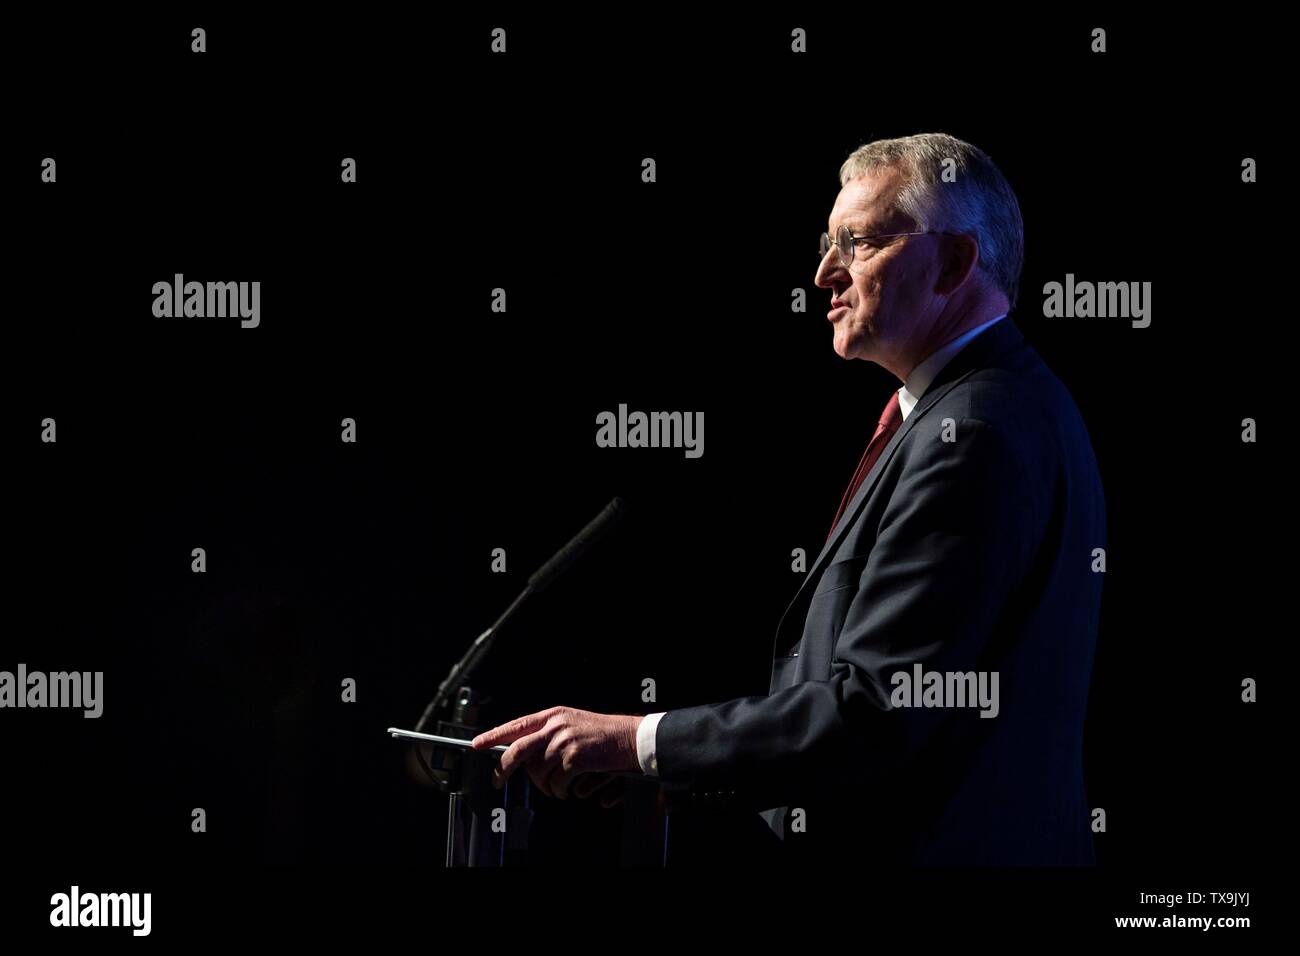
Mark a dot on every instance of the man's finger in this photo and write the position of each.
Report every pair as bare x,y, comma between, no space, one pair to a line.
613,796
511,730
521,751
558,781
540,769
579,783
589,783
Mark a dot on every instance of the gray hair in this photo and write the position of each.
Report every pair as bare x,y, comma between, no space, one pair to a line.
979,203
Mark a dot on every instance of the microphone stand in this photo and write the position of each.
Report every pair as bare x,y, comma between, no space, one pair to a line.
466,775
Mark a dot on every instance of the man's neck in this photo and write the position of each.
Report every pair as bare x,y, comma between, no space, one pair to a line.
956,321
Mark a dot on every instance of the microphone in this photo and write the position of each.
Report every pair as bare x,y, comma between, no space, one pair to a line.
584,539
542,578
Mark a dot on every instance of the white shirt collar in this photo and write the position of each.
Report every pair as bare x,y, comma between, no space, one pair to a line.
924,373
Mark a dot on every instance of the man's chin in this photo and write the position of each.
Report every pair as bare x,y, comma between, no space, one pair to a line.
846,346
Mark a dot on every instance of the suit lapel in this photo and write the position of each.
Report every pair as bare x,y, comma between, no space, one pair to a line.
986,347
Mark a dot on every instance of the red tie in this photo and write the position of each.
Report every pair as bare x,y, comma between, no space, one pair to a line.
890,419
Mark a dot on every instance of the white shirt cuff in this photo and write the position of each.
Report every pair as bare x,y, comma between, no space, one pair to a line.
645,744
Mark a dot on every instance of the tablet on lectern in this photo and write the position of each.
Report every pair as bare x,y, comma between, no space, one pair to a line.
449,741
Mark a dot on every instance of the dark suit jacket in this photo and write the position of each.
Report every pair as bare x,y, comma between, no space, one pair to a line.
973,554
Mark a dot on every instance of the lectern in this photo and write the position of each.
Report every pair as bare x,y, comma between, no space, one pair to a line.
490,827
476,811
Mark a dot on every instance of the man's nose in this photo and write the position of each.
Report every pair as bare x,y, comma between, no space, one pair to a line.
826,272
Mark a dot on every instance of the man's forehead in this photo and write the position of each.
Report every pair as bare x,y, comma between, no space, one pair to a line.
866,199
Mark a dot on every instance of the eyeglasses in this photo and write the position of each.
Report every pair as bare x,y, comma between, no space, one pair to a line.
846,242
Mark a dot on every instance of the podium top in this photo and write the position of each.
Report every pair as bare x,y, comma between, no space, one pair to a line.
447,741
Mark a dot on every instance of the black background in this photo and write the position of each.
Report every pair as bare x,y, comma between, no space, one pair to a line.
476,429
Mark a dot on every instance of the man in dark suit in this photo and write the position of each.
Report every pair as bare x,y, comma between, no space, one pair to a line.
930,678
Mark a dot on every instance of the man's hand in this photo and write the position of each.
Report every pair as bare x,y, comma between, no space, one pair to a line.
604,786
560,743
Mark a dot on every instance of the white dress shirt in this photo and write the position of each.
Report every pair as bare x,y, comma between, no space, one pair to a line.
917,382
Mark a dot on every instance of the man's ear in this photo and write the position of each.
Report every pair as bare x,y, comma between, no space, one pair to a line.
958,257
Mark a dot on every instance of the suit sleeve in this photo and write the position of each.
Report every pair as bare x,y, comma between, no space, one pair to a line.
956,537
